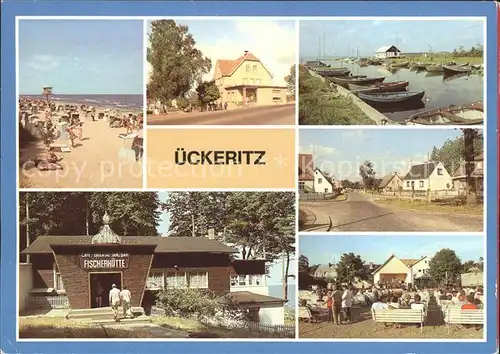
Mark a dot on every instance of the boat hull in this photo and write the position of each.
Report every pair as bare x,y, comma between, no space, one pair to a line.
366,81
391,98
450,70
382,87
434,68
469,114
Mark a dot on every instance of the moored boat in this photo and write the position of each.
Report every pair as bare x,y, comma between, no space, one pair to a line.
453,70
434,68
357,80
380,87
403,64
467,114
390,97
332,72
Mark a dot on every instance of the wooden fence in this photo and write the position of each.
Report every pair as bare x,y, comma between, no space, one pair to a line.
317,196
283,331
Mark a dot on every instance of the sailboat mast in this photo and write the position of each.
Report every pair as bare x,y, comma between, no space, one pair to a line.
319,49
324,45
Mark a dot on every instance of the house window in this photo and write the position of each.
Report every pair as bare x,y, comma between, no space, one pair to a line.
252,81
255,279
440,171
198,280
176,280
242,280
248,68
421,184
156,280
320,180
245,81
255,68
326,190
302,185
407,183
58,284
234,280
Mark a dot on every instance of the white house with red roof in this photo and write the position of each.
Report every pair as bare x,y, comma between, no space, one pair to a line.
245,82
396,270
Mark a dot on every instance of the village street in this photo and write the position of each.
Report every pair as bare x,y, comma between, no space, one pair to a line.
264,115
360,213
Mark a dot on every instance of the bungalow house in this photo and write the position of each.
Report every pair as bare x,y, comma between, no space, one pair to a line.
68,271
245,81
388,52
391,183
325,271
306,173
477,175
324,183
396,270
430,175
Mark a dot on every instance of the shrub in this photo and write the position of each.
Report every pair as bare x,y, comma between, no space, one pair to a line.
193,302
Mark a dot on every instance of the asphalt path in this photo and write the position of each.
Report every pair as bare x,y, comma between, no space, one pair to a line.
265,115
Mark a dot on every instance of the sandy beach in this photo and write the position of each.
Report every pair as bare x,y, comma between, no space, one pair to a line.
99,160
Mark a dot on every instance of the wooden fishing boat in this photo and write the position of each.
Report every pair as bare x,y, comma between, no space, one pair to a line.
397,86
453,70
333,73
467,114
434,68
361,80
403,64
390,97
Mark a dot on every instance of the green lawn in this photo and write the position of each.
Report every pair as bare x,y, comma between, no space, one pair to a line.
440,59
421,205
320,105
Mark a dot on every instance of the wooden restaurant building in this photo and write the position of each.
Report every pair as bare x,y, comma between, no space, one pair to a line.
69,271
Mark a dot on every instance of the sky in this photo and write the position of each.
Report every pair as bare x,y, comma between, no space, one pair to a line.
273,42
81,56
342,38
341,152
326,249
275,271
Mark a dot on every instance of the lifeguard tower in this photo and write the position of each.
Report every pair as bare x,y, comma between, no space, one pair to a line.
47,92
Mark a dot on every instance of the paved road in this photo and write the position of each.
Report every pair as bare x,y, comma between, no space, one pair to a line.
359,213
269,115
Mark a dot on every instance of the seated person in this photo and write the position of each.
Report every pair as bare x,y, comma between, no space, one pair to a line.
381,304
394,303
417,305
469,303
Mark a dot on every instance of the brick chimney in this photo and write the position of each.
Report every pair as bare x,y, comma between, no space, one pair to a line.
246,52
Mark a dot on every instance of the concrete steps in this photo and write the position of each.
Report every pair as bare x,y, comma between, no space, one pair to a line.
104,314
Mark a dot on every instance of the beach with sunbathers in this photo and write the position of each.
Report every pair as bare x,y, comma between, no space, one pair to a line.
65,144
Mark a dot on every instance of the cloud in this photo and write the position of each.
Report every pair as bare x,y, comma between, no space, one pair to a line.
44,62
355,135
318,150
273,42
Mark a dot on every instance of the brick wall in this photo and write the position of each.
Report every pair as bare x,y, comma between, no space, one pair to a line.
76,279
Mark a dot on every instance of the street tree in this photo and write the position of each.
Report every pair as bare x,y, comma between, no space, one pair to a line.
367,174
176,62
445,266
350,267
207,92
303,264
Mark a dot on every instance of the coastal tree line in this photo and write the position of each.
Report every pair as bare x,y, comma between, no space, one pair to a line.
444,267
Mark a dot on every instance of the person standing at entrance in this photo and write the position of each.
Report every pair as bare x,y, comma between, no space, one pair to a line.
114,300
126,297
100,293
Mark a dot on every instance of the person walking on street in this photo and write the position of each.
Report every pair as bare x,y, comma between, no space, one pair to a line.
337,304
114,300
126,297
347,304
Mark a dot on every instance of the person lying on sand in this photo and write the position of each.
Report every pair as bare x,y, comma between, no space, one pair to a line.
47,162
